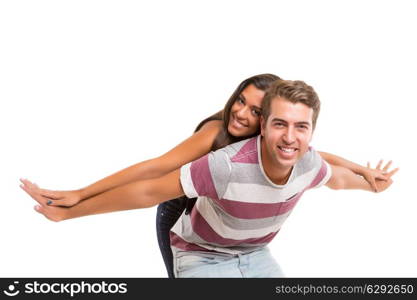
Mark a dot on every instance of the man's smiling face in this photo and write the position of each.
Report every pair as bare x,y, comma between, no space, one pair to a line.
286,133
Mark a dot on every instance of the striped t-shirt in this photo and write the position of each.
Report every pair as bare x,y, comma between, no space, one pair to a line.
239,209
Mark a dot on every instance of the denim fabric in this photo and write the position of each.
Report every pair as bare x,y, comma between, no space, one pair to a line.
167,215
259,263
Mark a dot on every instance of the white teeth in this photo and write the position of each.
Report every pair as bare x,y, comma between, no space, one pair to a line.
238,124
287,150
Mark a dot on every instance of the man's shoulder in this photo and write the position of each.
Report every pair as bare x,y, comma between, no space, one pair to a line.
313,170
237,151
311,159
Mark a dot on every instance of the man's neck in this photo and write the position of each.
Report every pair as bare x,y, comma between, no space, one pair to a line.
276,173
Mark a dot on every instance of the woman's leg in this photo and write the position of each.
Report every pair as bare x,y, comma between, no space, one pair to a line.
166,216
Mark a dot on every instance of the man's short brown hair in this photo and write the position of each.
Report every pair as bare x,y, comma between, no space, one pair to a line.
294,91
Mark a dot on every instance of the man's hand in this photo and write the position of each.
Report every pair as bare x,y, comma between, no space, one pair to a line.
382,184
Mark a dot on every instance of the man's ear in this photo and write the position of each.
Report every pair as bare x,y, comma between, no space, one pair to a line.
263,124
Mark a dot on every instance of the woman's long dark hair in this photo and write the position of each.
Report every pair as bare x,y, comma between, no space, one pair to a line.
224,138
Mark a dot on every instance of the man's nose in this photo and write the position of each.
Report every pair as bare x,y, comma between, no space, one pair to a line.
289,136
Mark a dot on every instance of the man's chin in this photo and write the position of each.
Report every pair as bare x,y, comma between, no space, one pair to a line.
288,161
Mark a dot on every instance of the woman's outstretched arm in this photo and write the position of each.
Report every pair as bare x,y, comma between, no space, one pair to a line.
192,148
371,175
138,194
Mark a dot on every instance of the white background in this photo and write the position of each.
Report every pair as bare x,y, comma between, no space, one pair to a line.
90,87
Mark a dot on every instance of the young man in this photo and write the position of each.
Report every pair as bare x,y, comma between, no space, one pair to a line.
245,191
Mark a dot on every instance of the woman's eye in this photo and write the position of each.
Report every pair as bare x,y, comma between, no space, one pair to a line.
256,112
240,100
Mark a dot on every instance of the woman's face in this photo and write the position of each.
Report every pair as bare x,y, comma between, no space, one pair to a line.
245,112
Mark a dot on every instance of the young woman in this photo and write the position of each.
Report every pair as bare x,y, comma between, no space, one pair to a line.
237,121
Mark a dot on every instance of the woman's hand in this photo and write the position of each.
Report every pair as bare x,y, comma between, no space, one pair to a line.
379,179
372,175
55,198
55,214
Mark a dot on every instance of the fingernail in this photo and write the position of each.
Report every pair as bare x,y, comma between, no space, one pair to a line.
49,202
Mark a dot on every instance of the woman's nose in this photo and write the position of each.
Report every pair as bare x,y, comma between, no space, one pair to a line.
241,113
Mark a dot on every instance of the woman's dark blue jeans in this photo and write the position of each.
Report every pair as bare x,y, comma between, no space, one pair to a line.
166,216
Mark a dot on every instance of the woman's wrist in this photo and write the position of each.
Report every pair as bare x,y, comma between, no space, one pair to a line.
360,170
82,194
69,213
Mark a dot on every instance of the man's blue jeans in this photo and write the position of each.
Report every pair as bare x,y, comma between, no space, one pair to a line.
259,263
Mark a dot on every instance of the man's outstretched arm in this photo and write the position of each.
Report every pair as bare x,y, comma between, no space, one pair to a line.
139,194
343,178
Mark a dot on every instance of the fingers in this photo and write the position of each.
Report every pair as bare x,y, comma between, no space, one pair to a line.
43,197
55,203
35,196
28,183
50,194
384,171
381,176
373,174
373,184
39,209
390,174
43,192
42,210
59,202
39,194
50,213
387,166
